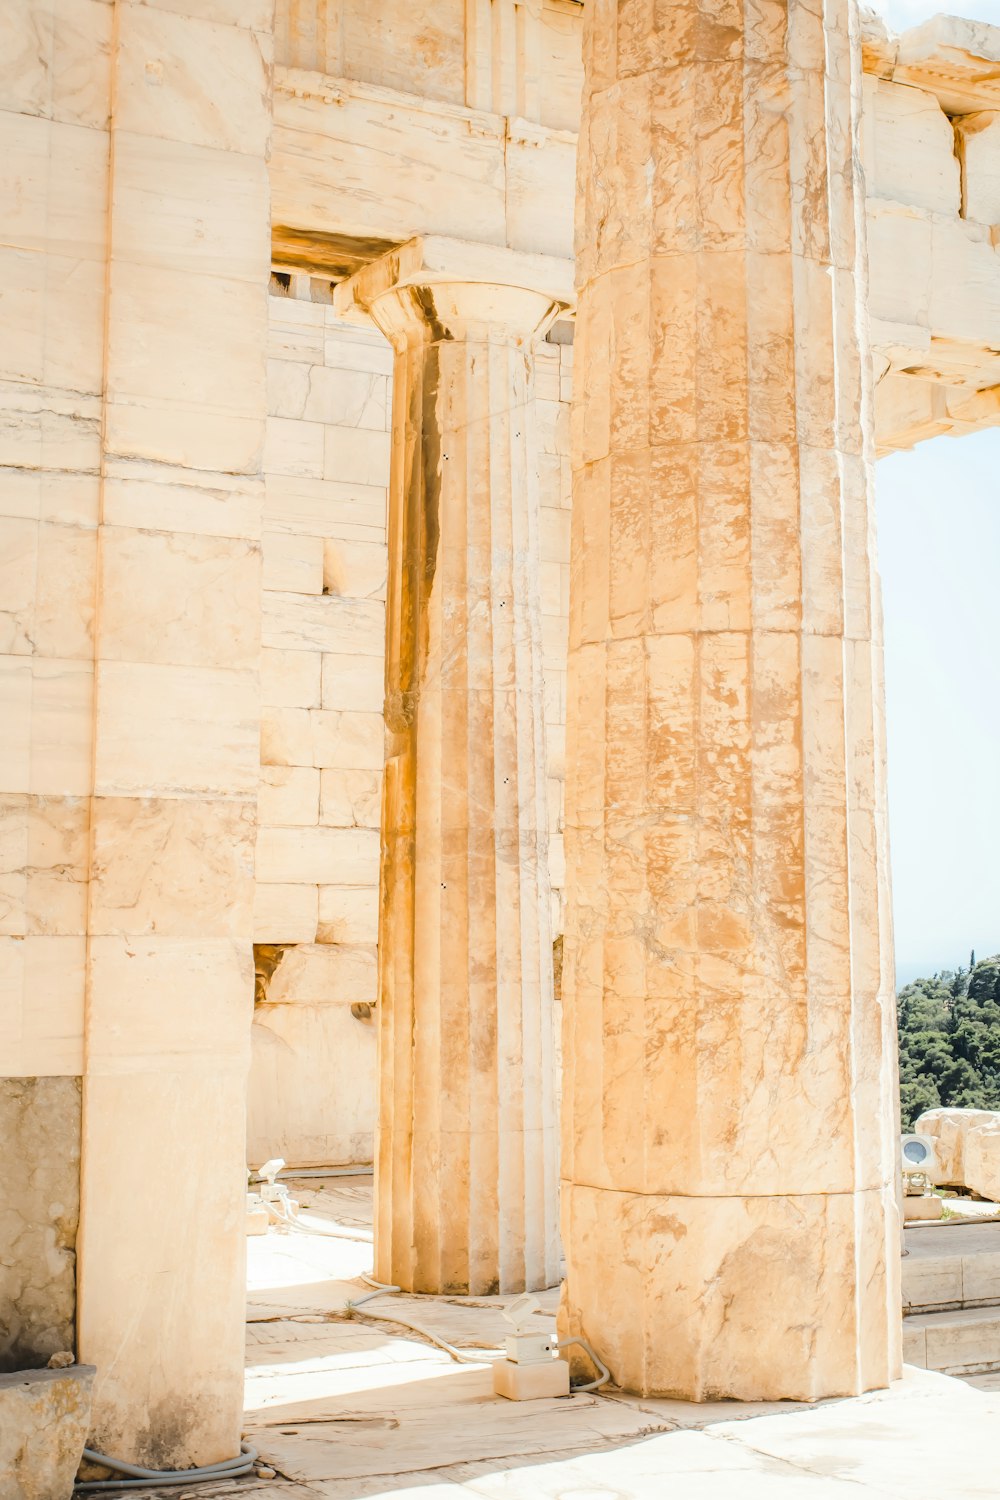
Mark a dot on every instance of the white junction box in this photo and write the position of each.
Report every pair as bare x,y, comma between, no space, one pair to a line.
532,1369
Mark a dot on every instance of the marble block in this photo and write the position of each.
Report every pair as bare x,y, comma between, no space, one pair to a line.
982,1160
44,1420
950,1129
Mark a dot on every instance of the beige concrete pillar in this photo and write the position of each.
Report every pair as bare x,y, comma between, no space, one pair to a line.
728,1210
169,949
466,1142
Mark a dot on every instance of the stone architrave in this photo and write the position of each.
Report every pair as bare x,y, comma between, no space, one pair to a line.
466,1168
729,1205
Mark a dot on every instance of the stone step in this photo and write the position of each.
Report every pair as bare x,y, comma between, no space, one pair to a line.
962,1341
950,1267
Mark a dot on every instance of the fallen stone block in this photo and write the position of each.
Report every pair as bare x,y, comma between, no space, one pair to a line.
950,1128
930,1207
44,1420
982,1160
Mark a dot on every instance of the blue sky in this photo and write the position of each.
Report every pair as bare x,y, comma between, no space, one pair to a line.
903,13
939,551
939,555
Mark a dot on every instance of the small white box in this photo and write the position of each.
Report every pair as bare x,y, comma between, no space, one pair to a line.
532,1382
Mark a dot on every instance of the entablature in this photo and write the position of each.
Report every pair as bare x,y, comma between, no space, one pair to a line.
480,146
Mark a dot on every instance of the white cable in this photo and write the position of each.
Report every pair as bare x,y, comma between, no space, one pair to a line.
381,1287
293,1221
460,1356
591,1385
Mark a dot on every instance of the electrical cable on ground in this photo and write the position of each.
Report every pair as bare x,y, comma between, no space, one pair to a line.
460,1356
380,1288
242,1465
472,1356
290,1221
599,1364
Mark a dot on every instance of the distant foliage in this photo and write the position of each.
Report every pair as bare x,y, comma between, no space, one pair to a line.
949,1040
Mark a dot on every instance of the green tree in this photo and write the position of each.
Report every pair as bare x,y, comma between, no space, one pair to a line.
949,1040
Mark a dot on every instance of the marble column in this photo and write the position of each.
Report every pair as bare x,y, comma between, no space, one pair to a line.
729,1097
465,1176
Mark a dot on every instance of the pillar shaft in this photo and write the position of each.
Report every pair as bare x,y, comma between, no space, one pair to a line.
729,1098
169,975
466,1145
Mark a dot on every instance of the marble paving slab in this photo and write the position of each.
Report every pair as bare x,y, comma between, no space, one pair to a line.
349,1408
465,1423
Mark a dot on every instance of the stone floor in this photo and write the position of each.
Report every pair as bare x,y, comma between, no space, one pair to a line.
349,1407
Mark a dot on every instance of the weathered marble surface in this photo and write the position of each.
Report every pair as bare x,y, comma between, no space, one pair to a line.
53,142
39,1216
44,1422
313,1080
951,1129
465,1151
982,1159
729,1213
492,55
931,151
133,399
324,549
323,543
171,753
507,150
421,1428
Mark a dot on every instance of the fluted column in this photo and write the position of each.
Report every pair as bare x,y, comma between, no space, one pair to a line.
465,1176
728,1207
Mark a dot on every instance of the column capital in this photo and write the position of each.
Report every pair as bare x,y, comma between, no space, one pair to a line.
439,288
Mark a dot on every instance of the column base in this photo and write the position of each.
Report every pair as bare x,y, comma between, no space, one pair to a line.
743,1299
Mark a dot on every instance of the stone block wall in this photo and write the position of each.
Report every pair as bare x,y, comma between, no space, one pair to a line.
312,1088
313,1081
503,55
54,84
933,198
